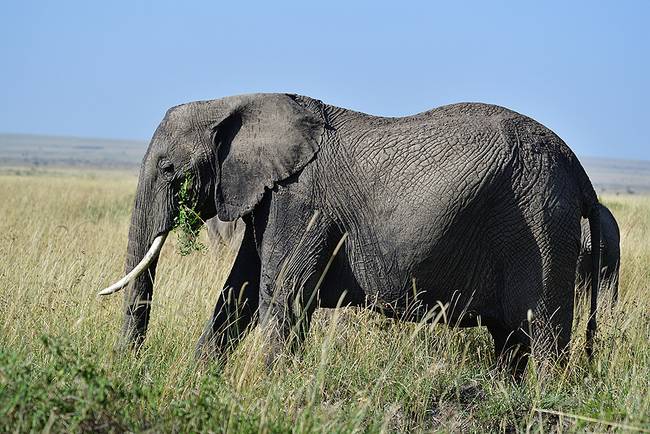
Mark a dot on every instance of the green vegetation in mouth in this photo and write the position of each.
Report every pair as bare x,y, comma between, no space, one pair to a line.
188,222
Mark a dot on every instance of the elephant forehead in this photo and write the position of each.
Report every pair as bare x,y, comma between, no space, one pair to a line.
181,122
182,115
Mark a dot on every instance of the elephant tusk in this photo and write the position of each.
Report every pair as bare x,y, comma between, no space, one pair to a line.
144,264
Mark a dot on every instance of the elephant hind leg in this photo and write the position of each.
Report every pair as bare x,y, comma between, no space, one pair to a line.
539,266
511,350
553,314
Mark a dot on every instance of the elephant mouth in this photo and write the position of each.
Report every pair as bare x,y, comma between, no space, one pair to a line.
142,266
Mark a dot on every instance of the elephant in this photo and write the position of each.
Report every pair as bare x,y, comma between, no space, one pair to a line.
610,253
489,201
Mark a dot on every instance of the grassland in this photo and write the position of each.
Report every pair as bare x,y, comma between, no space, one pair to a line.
63,237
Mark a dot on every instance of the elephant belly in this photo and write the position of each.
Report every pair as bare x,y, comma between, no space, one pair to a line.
416,268
462,273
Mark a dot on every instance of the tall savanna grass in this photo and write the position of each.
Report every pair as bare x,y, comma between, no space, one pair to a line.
63,237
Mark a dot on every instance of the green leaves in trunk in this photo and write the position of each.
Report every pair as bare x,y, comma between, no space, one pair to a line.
188,222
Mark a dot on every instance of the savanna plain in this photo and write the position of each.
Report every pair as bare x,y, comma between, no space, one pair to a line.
63,237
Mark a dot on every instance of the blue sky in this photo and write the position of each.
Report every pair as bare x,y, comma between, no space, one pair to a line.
111,69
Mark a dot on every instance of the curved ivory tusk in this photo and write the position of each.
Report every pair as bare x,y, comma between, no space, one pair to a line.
154,250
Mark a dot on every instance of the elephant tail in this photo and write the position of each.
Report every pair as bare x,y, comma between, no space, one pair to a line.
590,208
594,229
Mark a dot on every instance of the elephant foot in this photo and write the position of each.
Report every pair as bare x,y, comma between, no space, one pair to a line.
131,339
511,352
274,348
282,339
204,350
514,361
210,349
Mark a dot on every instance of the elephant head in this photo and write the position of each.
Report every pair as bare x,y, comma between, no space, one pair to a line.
231,150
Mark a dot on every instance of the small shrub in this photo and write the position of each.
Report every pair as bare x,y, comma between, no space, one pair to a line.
66,393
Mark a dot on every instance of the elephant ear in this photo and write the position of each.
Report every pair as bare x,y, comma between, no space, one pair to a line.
264,139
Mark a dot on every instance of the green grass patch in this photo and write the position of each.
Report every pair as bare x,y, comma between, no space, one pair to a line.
358,371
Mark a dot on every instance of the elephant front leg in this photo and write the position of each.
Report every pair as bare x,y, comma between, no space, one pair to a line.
292,272
236,309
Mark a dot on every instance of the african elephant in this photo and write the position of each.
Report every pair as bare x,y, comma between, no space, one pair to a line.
610,253
489,203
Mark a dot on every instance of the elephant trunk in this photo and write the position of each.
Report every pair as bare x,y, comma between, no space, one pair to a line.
146,237
141,262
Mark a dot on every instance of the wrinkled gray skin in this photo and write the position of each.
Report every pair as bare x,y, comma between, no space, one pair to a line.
229,234
610,252
489,204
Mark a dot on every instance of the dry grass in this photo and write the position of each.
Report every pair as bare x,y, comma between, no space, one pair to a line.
63,237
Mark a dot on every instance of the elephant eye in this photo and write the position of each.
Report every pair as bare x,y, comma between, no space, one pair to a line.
166,168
